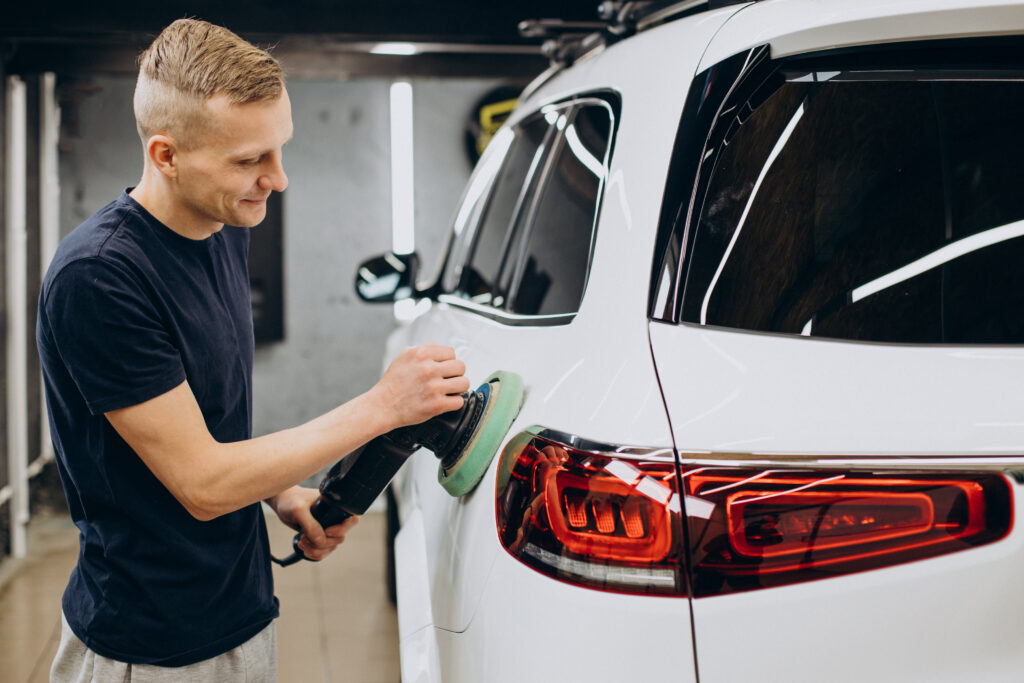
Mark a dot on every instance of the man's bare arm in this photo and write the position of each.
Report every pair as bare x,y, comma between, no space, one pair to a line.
211,479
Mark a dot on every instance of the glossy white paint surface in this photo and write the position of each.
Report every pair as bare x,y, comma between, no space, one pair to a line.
483,616
952,618
531,628
412,588
797,26
420,661
758,393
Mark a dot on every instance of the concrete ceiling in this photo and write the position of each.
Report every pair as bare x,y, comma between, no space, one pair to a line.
315,38
463,21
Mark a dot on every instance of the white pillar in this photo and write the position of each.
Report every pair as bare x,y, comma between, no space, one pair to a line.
49,211
17,320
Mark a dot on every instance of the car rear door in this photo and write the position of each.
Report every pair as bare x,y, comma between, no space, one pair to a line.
515,275
837,311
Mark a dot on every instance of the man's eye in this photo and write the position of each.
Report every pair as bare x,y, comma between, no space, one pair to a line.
249,162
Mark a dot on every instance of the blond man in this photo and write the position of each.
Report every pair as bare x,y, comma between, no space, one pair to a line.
145,335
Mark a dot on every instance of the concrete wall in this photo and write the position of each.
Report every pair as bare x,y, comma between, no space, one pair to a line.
337,212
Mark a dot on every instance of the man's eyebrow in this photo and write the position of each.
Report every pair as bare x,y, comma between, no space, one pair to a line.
246,154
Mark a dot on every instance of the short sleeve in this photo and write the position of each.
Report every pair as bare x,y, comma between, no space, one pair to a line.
110,336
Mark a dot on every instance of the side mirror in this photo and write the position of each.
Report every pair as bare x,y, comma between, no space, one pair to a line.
386,278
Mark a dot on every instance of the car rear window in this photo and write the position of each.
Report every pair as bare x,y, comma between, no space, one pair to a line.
871,206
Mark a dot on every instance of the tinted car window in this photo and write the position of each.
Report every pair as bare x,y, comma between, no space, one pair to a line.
480,273
552,269
868,207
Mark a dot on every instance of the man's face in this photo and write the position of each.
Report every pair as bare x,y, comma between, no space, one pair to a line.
234,162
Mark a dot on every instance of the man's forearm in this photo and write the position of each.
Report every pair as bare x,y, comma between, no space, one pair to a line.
243,472
210,478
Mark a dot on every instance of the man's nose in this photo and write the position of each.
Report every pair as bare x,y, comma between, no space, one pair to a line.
275,177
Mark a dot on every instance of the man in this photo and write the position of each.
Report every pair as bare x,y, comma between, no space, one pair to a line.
145,335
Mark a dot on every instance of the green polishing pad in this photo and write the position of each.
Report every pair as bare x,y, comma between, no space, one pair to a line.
504,400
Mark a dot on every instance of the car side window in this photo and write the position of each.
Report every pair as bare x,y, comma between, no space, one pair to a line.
479,272
556,240
523,246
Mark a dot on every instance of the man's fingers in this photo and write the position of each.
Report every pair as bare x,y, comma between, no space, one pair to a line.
312,532
338,531
451,368
435,352
455,385
333,537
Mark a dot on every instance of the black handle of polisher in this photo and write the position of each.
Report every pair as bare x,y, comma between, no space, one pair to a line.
352,484
324,512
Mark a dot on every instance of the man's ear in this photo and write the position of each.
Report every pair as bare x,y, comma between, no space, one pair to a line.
162,152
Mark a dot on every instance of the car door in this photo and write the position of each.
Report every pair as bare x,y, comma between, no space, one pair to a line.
511,289
511,285
835,325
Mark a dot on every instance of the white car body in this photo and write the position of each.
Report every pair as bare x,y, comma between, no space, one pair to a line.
469,611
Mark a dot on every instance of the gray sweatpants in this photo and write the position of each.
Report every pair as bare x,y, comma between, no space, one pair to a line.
254,661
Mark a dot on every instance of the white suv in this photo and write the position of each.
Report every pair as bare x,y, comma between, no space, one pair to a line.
761,269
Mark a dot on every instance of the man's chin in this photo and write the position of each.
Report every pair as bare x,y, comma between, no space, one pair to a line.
248,219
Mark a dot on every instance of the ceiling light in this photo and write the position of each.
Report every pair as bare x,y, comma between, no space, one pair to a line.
394,49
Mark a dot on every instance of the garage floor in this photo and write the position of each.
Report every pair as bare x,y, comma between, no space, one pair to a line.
336,623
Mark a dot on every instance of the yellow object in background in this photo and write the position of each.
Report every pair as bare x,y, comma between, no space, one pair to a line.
490,117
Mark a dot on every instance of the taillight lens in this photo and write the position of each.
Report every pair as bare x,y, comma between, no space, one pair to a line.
603,519
754,529
591,519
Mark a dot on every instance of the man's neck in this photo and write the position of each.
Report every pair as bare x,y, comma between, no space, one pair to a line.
164,207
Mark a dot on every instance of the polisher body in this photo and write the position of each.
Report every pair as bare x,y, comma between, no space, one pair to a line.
464,440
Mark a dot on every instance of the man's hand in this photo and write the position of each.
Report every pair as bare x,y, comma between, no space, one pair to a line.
422,382
292,507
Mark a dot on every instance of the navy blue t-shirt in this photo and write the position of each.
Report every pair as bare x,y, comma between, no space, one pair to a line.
129,310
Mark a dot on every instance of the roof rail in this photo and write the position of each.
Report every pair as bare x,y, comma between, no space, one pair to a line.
567,41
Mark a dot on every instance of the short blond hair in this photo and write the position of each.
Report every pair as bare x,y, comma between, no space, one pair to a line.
190,62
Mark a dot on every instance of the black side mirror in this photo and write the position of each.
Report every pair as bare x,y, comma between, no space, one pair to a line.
391,277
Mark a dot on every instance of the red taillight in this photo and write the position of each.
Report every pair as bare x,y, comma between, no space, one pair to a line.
604,519
769,528
782,526
591,519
